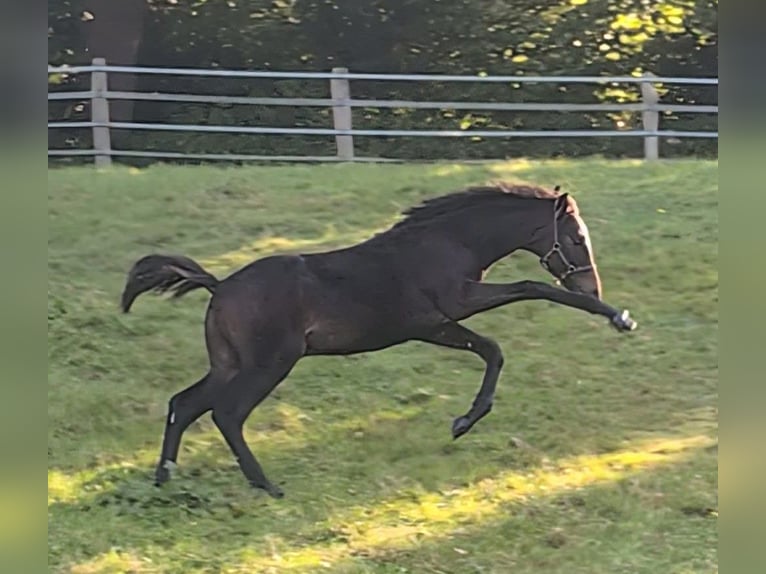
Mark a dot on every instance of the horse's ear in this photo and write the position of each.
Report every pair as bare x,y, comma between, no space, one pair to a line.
562,202
557,188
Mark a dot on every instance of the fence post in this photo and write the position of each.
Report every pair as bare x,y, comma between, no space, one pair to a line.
99,112
650,117
341,115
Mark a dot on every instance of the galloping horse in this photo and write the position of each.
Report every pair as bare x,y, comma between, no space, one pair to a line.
413,282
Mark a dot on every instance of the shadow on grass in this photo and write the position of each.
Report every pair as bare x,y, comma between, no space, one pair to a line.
285,537
661,518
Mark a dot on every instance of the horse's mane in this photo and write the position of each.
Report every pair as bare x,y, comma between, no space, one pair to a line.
437,207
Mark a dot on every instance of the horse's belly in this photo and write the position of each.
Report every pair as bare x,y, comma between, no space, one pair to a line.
350,335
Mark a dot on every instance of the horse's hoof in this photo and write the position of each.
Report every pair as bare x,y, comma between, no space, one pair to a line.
276,492
460,426
162,474
271,490
623,321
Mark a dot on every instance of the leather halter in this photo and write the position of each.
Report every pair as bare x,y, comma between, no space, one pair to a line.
556,248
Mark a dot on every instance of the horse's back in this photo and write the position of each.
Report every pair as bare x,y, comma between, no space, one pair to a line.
349,300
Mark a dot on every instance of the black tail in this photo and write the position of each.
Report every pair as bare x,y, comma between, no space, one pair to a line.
165,273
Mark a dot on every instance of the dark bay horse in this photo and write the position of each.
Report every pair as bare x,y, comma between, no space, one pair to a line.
414,281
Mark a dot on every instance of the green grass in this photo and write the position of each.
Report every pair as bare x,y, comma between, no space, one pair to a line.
599,456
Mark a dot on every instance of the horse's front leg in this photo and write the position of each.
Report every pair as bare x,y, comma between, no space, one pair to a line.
456,336
477,297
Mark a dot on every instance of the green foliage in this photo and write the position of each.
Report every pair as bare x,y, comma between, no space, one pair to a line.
599,455
674,37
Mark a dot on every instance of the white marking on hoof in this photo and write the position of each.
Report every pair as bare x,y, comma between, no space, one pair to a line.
168,465
172,417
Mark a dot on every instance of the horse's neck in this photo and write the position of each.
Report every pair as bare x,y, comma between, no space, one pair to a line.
494,235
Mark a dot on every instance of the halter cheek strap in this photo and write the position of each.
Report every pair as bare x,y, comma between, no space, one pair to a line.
556,249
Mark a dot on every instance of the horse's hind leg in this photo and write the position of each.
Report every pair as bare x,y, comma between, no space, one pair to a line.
242,394
183,409
191,403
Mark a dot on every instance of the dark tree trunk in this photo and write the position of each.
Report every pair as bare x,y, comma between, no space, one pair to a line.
115,34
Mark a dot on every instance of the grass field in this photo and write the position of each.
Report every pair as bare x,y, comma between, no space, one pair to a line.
600,454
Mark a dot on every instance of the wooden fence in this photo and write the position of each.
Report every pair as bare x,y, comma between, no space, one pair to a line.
342,103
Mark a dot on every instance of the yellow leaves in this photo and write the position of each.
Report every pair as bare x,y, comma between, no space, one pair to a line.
471,120
670,11
578,2
620,95
661,17
630,21
612,56
633,39
510,53
56,79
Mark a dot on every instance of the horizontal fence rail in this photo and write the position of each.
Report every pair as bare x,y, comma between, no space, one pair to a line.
388,133
341,104
338,75
362,103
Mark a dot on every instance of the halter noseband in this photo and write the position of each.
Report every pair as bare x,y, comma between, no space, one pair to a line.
556,248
